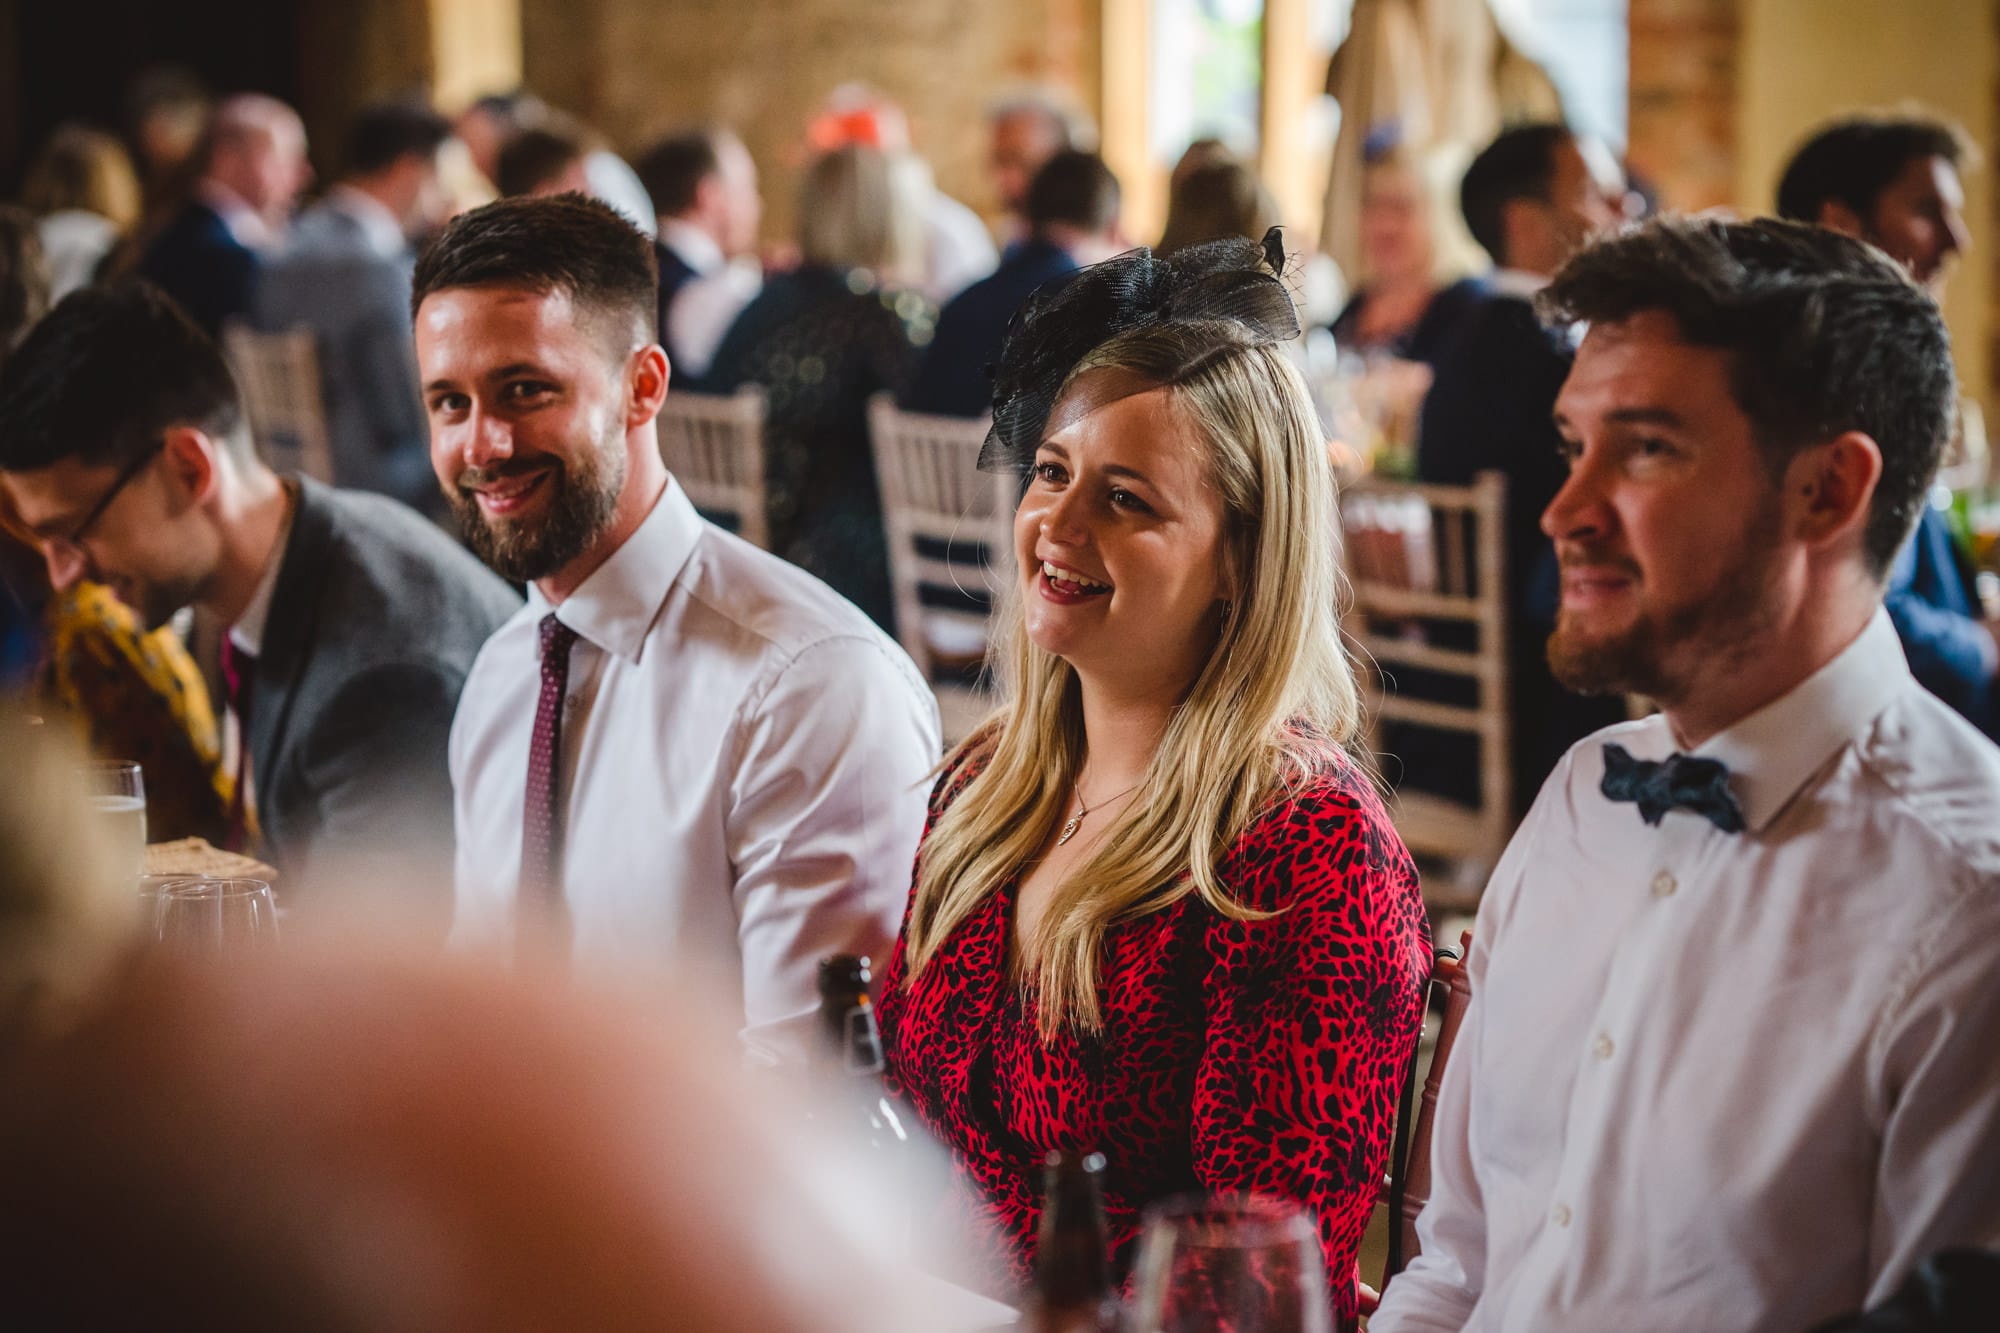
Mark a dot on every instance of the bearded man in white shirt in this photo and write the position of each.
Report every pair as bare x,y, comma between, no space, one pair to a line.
1730,1061
683,751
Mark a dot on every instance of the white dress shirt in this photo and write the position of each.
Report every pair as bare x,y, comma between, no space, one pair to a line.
708,303
745,760
1729,1082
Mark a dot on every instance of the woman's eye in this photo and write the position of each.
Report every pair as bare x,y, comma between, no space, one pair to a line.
1126,500
1048,472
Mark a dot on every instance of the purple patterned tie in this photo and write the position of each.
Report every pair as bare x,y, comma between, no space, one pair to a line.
541,897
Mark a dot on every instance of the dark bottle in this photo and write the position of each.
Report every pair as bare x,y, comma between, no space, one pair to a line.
852,1046
1072,1266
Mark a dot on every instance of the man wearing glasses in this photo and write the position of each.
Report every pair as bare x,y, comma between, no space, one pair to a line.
351,621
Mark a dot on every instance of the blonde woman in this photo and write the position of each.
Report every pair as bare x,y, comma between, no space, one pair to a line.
1159,911
82,188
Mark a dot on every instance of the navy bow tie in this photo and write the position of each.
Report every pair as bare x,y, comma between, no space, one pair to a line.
1678,782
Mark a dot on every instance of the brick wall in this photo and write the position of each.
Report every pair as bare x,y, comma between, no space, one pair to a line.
1683,99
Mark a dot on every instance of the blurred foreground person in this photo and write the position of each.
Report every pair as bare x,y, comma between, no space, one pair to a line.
350,621
1160,912
342,1137
1894,182
821,340
345,276
1729,1061
682,751
253,167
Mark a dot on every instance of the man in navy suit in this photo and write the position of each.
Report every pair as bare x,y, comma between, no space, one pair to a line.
1532,198
1893,181
208,256
704,185
1072,212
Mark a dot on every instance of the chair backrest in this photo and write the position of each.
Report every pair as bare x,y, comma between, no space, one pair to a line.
1428,567
714,446
278,374
949,527
1409,1186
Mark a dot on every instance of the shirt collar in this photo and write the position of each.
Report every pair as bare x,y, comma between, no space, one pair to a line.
1774,751
378,225
1516,283
245,223
696,247
616,606
247,633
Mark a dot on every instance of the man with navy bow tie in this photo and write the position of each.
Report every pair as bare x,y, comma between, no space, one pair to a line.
1731,1057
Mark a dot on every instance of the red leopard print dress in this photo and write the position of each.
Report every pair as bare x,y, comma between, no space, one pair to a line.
1236,1055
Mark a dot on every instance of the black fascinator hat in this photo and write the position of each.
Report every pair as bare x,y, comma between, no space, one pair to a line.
1227,282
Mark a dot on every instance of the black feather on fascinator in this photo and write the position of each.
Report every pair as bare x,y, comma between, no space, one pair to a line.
1232,281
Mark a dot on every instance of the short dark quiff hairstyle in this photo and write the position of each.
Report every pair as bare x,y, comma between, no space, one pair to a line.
1824,335
563,243
106,374
1853,161
674,168
1519,164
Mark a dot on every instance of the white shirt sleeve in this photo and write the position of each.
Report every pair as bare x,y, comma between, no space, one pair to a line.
823,818
702,311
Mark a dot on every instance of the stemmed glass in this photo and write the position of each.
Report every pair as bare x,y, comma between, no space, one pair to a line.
211,918
1232,1263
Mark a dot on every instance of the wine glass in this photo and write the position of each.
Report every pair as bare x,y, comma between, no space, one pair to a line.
210,918
117,790
1231,1263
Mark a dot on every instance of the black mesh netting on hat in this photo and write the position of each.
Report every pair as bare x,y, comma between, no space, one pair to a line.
1228,282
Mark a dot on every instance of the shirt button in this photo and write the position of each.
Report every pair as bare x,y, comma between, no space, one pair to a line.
1601,1047
1664,885
1561,1215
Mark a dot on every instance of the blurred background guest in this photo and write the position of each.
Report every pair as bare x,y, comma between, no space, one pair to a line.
252,170
167,112
1024,130
1411,290
1218,199
820,340
344,275
545,158
704,184
1071,210
1160,912
1894,181
85,196
496,120
489,123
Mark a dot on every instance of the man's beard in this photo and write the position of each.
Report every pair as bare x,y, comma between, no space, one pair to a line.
584,495
1641,659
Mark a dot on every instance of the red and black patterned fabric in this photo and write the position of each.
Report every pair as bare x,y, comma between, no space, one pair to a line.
1236,1055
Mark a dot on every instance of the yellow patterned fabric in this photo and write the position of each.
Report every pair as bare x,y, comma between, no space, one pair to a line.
140,697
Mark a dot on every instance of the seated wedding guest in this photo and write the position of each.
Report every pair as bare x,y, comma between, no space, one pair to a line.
1072,215
1894,182
167,109
1401,307
1024,131
349,1136
345,276
1160,912
496,120
351,621
207,257
704,183
85,196
821,340
648,762
542,160
1221,199
1530,199
1729,1059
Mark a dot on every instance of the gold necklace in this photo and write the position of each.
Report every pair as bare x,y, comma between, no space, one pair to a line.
1076,820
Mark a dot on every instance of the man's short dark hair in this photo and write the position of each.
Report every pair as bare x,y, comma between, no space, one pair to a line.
1074,189
1520,164
384,132
1824,335
533,158
563,243
1853,161
106,374
674,168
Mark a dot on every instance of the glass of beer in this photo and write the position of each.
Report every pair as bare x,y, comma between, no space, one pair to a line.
118,793
214,918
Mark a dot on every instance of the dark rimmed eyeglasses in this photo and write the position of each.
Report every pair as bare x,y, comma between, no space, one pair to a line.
81,532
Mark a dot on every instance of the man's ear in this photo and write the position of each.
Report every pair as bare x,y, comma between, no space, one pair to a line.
1830,487
190,457
648,375
1836,216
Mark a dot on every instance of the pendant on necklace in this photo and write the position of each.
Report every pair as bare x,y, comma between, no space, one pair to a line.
1069,829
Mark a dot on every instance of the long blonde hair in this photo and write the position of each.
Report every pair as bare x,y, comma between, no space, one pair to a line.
1272,706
